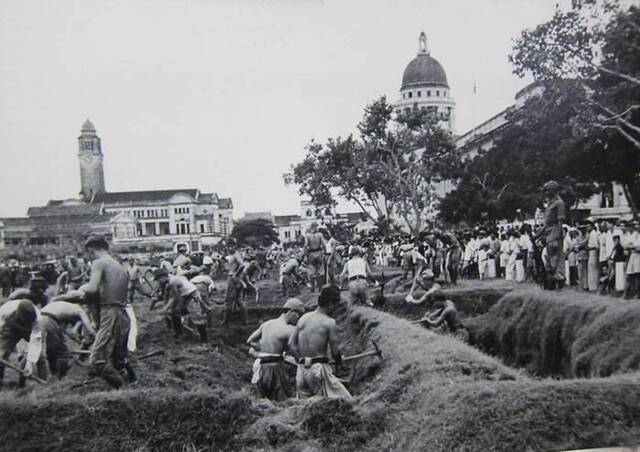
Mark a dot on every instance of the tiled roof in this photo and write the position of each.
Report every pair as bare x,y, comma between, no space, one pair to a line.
257,215
58,210
141,196
208,197
225,203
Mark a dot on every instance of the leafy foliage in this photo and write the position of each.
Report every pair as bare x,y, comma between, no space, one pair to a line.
388,170
255,232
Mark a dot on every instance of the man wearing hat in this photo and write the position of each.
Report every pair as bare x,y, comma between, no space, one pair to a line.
268,343
357,270
554,217
315,334
109,280
36,292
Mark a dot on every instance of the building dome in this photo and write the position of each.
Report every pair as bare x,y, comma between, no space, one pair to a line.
423,69
88,126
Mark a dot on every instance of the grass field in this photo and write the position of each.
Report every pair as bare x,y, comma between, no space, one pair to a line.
429,392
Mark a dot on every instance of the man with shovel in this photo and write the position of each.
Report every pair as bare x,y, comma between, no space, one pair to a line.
18,320
268,343
315,334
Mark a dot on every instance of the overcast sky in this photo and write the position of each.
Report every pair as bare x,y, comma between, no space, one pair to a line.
224,95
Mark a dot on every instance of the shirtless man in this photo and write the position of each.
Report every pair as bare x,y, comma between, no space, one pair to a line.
179,292
315,333
18,320
331,257
110,280
268,343
134,278
447,316
235,285
54,319
289,275
313,244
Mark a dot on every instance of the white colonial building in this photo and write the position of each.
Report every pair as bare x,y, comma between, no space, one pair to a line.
425,86
155,219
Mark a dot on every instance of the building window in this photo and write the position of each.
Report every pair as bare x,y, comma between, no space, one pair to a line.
437,93
428,93
309,213
201,227
410,94
419,93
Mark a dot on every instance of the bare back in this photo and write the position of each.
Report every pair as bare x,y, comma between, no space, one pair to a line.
65,312
315,331
275,336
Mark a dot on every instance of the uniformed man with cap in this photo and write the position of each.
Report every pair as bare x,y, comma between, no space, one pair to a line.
268,343
554,217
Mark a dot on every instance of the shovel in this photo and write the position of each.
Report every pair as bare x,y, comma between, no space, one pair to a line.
21,372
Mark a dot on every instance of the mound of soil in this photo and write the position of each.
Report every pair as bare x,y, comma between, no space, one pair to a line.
429,392
567,334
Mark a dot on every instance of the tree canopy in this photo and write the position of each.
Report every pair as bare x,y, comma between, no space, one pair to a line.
388,170
258,232
581,127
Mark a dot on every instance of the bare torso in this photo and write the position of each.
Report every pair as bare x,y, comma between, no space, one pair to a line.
314,329
65,312
114,280
275,335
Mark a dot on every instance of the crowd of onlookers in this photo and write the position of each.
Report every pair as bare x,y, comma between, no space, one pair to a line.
599,257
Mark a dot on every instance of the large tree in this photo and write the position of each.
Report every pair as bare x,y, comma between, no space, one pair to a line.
258,232
594,45
388,170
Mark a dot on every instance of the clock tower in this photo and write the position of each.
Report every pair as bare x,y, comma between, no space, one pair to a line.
90,157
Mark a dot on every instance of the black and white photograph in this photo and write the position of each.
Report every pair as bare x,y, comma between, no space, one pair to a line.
320,225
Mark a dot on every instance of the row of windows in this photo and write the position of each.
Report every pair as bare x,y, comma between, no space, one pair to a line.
181,210
409,95
433,110
287,234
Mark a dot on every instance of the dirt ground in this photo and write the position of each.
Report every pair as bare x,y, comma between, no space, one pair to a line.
429,392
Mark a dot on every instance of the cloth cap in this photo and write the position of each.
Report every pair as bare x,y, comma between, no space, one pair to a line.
207,261
294,304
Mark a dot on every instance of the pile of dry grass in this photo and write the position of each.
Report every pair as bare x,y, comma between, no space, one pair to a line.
126,420
567,334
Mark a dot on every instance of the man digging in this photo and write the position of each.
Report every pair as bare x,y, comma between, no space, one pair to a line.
110,280
268,343
314,335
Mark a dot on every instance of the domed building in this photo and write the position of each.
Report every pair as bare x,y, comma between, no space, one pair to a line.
425,86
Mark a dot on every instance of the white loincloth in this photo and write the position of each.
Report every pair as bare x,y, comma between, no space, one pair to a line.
132,339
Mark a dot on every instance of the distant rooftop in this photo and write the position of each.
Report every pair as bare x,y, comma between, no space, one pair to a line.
142,196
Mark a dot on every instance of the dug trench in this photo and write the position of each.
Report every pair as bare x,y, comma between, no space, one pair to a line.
429,392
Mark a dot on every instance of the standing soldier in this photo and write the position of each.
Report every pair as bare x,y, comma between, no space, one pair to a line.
554,216
313,244
331,257
110,280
